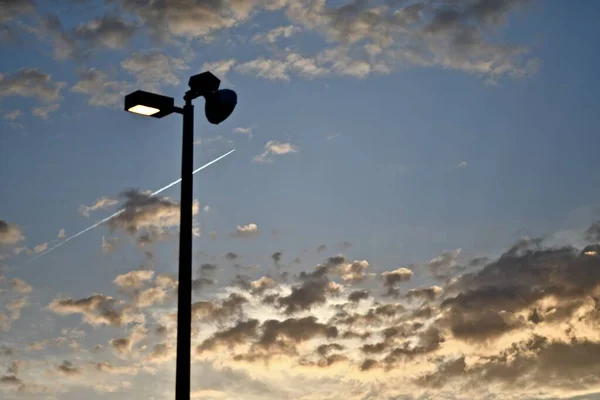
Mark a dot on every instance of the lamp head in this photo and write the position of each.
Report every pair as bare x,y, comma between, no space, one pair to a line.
219,105
149,104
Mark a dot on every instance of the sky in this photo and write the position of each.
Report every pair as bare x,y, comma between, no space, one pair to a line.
411,210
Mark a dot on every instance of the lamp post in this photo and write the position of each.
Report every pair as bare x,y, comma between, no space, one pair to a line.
219,105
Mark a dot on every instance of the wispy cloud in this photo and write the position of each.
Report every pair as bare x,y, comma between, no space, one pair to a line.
99,204
275,148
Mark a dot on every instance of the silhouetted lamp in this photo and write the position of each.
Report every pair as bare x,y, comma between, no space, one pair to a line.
219,106
149,104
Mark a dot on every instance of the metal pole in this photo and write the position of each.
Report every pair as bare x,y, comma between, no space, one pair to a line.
184,291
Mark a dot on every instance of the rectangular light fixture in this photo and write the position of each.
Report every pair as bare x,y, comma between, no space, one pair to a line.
143,110
149,104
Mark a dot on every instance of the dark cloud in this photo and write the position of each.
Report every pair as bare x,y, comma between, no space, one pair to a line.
121,346
150,216
444,266
103,91
393,278
160,353
368,364
9,380
312,291
427,294
325,349
15,8
199,283
321,248
30,82
230,307
592,234
358,295
207,269
242,332
68,368
449,34
276,257
153,68
295,329
188,18
96,310
6,351
142,210
107,31
231,256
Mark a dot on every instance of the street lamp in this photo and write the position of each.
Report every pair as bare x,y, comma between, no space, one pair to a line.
219,106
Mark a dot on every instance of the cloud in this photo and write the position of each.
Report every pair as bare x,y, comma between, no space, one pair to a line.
219,68
229,338
280,69
445,265
10,234
276,33
67,368
153,68
15,8
592,234
30,82
274,147
449,35
463,164
109,243
199,283
40,248
20,286
353,272
358,295
246,231
161,353
191,19
96,310
16,306
102,91
244,130
121,346
312,291
322,248
276,257
400,275
207,269
13,115
107,31
99,204
332,136
134,279
427,294
149,216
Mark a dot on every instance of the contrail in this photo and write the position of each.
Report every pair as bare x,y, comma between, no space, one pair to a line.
120,211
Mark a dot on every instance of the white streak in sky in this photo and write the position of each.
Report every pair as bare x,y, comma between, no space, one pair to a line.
122,210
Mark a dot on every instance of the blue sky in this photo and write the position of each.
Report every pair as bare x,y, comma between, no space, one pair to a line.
415,136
